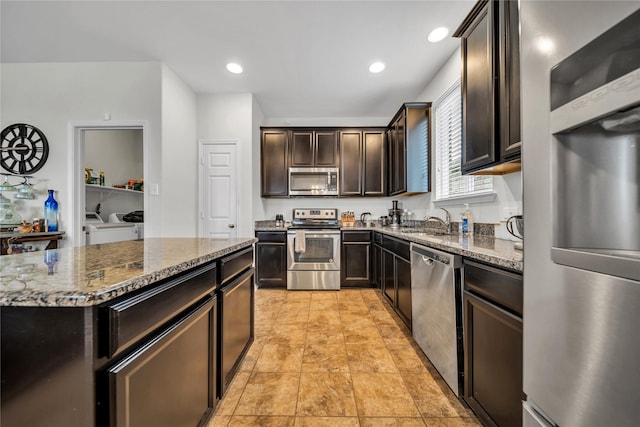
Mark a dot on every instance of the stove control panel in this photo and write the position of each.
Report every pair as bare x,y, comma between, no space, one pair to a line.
326,214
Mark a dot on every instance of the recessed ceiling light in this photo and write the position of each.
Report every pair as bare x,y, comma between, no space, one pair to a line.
438,34
376,67
234,68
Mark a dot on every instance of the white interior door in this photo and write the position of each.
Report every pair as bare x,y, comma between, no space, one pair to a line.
219,208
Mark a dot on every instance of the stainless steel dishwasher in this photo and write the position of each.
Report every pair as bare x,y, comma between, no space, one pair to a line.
436,306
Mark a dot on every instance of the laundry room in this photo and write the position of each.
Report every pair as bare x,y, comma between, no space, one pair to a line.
114,188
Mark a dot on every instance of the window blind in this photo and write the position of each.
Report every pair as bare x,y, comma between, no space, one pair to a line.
448,140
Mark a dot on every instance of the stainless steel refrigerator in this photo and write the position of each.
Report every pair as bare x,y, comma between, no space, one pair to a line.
580,74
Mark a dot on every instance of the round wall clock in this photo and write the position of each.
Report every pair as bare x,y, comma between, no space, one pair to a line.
23,149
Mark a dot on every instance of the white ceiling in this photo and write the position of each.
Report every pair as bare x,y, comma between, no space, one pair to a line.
301,58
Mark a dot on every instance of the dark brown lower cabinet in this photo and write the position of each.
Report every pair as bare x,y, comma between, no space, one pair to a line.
236,325
403,284
396,276
388,277
493,344
171,379
377,262
271,259
355,259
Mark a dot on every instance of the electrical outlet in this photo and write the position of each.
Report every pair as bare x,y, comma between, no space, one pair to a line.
509,212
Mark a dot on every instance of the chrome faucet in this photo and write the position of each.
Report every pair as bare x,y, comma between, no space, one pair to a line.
446,222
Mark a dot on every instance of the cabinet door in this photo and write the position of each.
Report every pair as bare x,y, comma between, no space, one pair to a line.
271,264
493,362
326,149
509,43
302,148
273,163
375,171
377,266
356,264
388,276
403,286
236,326
177,366
398,148
478,91
351,163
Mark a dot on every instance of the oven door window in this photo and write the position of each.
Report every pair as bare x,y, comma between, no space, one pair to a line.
317,250
321,252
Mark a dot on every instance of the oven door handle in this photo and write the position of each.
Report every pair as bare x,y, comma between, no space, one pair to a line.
299,241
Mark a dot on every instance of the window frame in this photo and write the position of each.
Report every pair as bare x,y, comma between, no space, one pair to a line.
467,181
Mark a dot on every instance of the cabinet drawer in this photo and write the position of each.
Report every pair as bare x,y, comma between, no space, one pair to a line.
234,264
356,236
159,368
129,320
397,246
502,287
272,236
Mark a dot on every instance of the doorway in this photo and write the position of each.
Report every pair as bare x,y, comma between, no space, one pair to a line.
218,189
84,133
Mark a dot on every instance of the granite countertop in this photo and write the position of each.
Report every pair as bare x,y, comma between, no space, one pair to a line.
90,275
489,249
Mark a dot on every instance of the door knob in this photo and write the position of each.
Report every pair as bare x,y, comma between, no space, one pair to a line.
231,225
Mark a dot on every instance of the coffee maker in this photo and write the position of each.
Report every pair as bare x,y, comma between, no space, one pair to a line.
395,215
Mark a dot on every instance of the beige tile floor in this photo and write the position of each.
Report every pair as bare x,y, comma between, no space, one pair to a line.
335,359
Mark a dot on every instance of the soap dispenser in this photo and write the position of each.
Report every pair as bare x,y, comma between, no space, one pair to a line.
467,221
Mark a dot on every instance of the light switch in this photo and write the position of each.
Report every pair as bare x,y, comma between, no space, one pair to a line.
155,189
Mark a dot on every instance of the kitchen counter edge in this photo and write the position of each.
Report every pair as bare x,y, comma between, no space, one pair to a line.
61,294
488,249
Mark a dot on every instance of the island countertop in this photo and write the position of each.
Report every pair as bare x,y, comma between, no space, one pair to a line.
91,275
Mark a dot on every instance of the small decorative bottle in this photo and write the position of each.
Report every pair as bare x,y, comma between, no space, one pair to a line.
51,212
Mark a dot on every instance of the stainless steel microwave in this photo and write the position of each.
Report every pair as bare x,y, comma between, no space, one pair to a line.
313,181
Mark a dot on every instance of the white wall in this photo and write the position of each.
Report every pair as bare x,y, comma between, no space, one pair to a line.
50,96
229,117
179,185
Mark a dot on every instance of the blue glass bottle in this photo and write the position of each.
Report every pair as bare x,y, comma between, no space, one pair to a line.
51,212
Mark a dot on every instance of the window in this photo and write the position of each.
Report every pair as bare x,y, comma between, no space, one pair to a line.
450,183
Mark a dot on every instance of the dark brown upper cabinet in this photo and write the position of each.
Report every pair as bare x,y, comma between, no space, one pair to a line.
314,148
490,41
363,162
374,163
409,149
274,162
350,163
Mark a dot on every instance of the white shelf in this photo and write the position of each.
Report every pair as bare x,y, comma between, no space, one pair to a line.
95,187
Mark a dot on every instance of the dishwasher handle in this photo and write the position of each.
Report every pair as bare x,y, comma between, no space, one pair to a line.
427,260
436,256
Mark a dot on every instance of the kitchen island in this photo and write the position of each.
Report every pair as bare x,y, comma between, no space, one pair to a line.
144,332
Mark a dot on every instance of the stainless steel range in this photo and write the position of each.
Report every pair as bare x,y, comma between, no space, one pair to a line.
313,242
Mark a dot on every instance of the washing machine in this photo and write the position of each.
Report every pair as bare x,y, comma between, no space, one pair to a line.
116,217
98,231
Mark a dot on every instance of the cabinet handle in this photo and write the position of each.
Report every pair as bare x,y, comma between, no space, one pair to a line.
231,226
